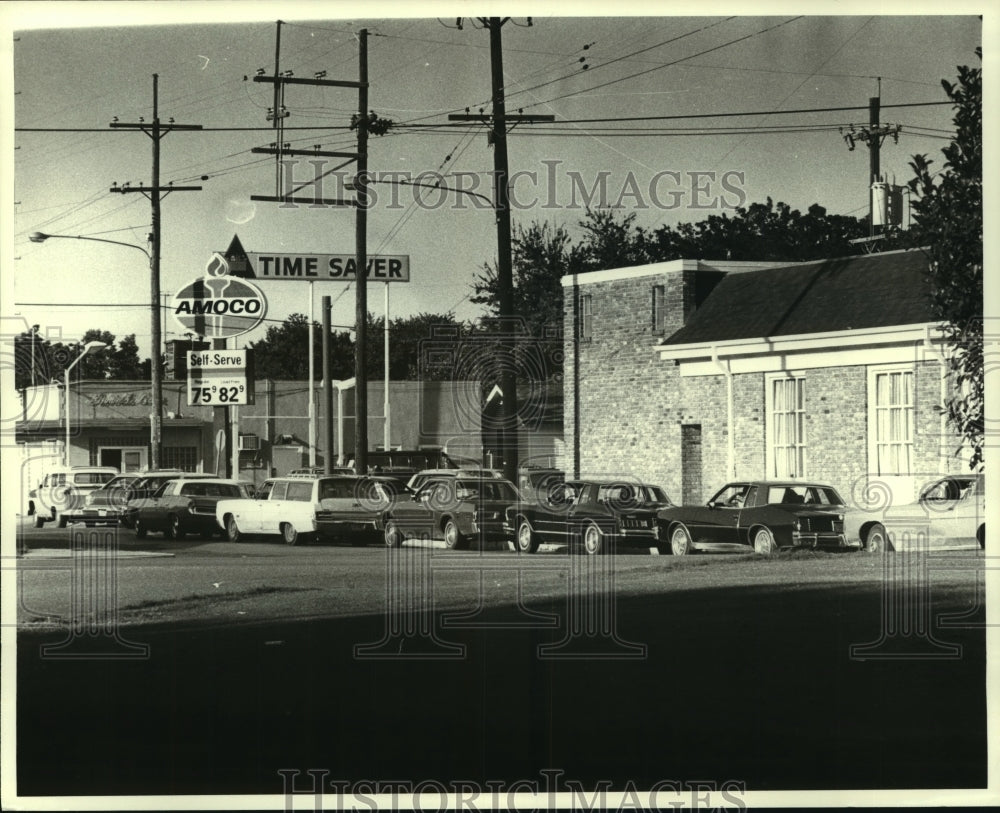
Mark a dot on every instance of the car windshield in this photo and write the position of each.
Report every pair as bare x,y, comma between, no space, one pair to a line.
631,494
803,495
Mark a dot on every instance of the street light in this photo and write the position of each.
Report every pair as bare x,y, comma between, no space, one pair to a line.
156,415
89,347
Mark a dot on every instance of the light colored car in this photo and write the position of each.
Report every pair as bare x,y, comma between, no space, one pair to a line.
949,513
301,508
104,506
63,490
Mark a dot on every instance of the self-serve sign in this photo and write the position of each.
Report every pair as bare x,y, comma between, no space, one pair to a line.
381,267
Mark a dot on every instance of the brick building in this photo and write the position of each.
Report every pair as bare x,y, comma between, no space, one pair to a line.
691,373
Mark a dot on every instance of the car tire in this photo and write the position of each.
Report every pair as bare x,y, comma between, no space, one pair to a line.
453,538
173,529
232,529
527,539
763,542
877,541
594,541
680,541
981,536
60,520
140,529
393,535
290,535
39,521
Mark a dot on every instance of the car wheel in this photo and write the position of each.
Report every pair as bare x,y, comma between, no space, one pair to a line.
453,538
593,541
527,540
680,541
173,529
393,536
763,542
290,534
39,521
31,508
140,529
877,542
981,536
232,529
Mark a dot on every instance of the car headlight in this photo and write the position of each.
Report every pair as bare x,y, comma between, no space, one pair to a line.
797,525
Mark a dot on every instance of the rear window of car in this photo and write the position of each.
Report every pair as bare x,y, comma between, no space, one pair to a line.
803,495
336,489
301,492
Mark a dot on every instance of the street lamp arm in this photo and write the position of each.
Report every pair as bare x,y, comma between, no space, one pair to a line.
41,237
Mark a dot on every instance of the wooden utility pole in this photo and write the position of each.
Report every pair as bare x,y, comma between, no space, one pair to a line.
507,361
155,130
360,202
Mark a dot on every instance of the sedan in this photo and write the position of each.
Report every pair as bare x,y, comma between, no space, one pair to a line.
949,513
591,513
760,516
456,509
105,505
180,507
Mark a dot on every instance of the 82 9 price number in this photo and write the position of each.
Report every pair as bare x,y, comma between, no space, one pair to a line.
217,395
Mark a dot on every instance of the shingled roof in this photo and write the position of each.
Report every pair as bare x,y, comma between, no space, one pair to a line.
851,293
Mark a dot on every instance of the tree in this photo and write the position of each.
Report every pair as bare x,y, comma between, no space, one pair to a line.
947,208
283,353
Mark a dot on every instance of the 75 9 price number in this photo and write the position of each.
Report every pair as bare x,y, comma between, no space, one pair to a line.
217,395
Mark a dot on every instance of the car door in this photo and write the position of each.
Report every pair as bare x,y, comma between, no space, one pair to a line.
719,521
152,510
272,508
552,514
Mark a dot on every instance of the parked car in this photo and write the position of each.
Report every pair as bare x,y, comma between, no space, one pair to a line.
316,471
534,482
183,506
104,505
757,515
592,513
62,491
421,477
302,508
951,511
402,464
456,509
147,485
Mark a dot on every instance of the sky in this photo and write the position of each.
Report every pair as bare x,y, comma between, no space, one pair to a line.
78,68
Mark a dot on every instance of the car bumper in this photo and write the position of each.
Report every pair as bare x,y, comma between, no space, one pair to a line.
97,516
335,527
810,539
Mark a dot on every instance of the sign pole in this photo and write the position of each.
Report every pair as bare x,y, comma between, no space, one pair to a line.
387,437
312,379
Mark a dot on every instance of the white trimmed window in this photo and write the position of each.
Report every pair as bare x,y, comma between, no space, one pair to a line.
659,308
786,425
890,420
586,317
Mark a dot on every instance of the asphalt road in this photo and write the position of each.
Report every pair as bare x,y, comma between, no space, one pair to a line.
425,664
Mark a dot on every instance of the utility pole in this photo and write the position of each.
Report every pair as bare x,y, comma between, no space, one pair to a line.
361,263
360,202
155,193
505,275
873,135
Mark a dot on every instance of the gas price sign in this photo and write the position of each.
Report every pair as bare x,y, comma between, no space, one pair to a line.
220,377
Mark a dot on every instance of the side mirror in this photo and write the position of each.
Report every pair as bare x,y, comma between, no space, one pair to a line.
713,504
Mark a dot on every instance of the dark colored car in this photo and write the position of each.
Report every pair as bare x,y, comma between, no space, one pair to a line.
761,516
150,482
402,464
180,507
105,505
592,513
457,509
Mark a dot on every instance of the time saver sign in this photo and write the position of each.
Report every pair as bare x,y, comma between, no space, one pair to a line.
380,268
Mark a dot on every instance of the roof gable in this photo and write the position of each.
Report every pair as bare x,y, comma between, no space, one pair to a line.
850,293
